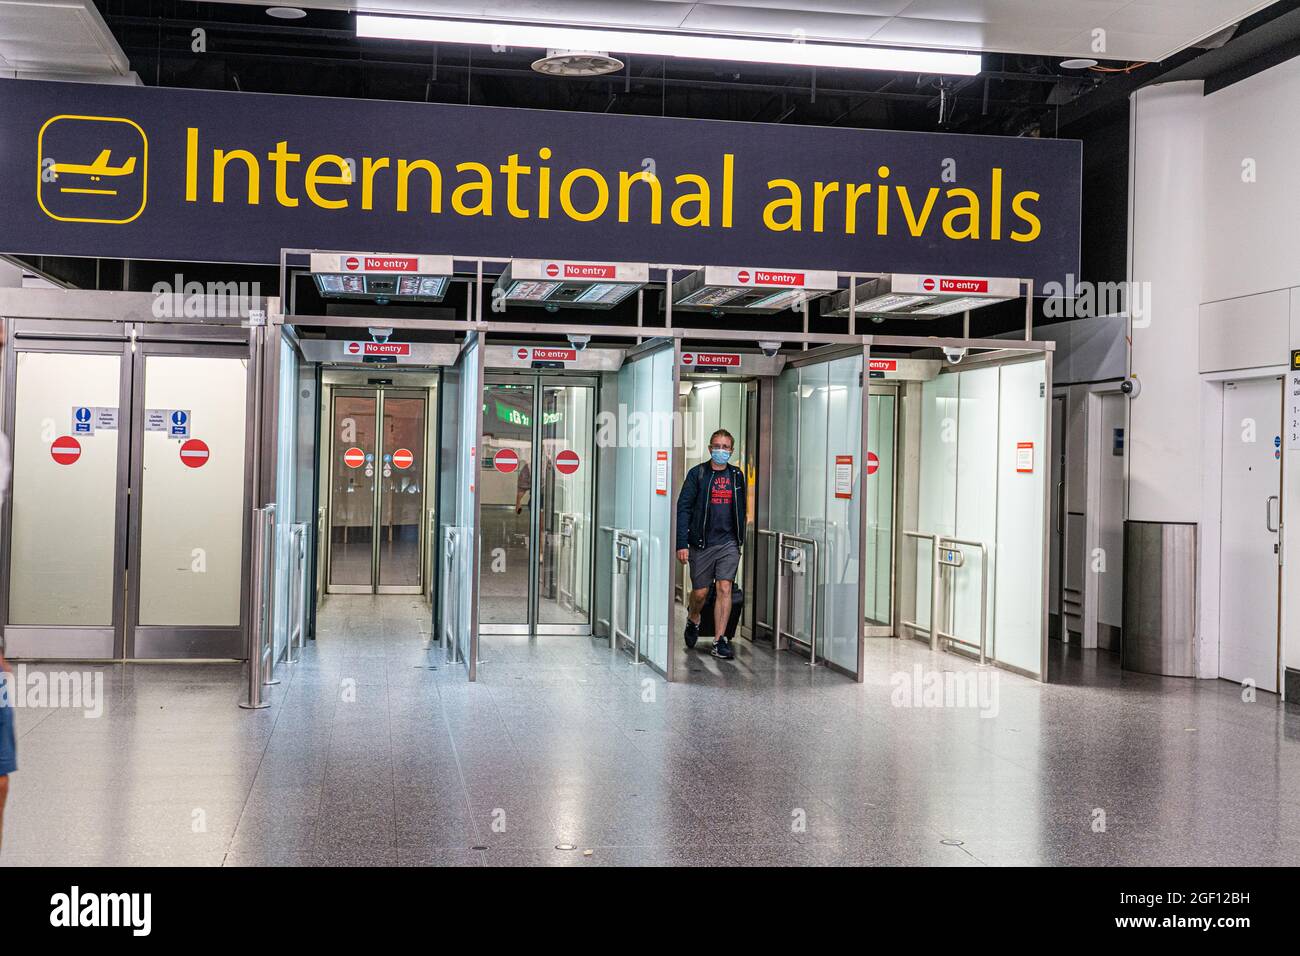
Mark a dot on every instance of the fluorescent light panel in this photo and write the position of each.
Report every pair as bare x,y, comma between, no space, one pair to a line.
687,45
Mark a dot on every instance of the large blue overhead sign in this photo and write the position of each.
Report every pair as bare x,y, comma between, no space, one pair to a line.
90,170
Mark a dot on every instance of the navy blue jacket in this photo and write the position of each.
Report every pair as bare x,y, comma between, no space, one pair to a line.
693,505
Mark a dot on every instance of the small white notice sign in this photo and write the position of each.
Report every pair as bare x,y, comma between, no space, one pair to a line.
1293,411
661,472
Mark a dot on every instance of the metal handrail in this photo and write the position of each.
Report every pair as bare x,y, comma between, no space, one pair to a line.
937,544
297,592
261,659
782,561
633,635
451,542
984,595
569,522
933,630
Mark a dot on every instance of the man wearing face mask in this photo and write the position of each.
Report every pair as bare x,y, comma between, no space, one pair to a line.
710,522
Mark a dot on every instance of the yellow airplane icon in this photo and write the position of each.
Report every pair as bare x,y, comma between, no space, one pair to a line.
100,167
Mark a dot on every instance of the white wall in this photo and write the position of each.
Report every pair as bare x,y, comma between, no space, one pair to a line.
1214,224
1167,250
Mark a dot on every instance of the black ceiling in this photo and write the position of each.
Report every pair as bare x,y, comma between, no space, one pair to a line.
246,50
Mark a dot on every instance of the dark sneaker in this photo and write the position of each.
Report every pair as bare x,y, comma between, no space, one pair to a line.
692,633
722,649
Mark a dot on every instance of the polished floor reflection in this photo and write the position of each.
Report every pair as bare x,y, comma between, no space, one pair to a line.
368,756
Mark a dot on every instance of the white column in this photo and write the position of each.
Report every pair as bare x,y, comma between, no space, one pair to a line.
1166,429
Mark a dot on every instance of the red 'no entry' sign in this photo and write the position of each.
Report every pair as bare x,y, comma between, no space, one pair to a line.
566,462
194,453
505,460
65,450
872,463
354,457
402,458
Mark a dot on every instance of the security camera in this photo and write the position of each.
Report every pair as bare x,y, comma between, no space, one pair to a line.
953,354
380,335
770,348
1131,386
579,342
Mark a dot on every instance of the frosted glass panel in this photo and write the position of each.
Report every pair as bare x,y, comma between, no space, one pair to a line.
63,514
285,496
814,389
977,466
817,419
646,387
841,620
192,518
659,550
983,478
938,493
1022,474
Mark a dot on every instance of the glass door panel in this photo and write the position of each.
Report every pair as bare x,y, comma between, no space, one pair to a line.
64,508
565,507
352,492
506,506
401,493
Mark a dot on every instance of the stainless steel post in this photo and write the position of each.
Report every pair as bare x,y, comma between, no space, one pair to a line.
778,642
934,594
268,595
256,695
640,567
812,641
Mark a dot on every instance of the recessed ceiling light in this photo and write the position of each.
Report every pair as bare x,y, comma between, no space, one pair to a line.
1078,63
286,13
852,56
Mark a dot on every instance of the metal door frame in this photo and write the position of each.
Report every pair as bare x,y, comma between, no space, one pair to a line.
890,629
82,642
539,381
169,641
421,395
337,392
1002,352
378,392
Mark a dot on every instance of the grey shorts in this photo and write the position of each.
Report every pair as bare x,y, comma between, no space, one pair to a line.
718,563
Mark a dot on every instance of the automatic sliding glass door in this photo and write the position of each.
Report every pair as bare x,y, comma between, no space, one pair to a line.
537,481
377,491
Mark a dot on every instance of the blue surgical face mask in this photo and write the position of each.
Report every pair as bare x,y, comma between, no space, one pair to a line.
720,456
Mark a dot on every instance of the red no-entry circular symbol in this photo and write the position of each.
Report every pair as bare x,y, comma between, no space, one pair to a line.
928,285
567,462
505,460
872,463
354,457
353,348
403,458
743,275
522,354
351,262
65,450
194,453
688,358
552,269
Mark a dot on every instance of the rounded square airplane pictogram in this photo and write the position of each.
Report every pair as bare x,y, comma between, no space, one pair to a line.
92,169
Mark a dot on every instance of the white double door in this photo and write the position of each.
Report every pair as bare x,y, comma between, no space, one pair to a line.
1250,539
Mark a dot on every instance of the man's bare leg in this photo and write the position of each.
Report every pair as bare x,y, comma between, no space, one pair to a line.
698,597
721,607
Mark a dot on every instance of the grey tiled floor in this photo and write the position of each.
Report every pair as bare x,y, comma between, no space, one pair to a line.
369,757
